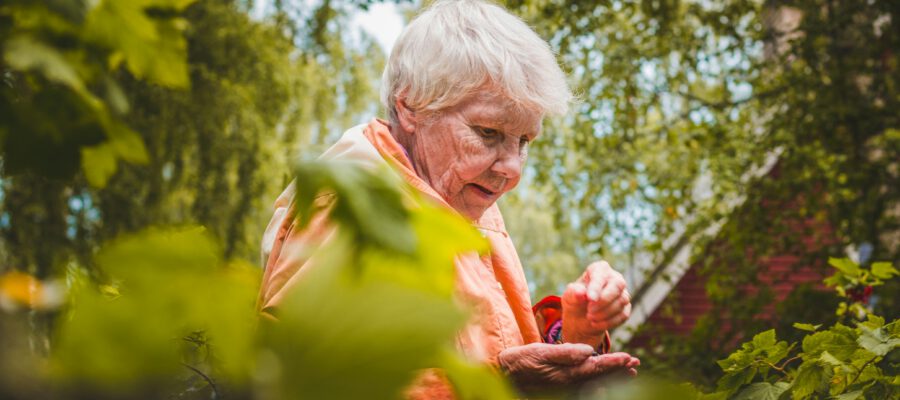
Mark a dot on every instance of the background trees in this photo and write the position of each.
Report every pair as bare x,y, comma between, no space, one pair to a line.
219,125
682,101
692,113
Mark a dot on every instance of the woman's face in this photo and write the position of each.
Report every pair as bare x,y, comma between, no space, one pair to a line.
473,153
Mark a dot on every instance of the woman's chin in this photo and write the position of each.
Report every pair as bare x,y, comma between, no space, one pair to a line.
473,203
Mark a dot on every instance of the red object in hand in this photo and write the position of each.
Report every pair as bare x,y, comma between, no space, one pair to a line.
547,312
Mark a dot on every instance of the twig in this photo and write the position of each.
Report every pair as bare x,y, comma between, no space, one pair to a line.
775,367
789,360
208,380
860,371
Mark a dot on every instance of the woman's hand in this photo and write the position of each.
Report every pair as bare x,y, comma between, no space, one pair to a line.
596,302
542,366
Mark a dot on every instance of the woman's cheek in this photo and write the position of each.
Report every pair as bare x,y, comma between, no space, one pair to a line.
474,166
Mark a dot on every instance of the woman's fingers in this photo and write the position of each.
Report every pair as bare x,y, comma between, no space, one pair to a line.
563,354
634,363
611,291
575,299
612,307
597,277
605,316
612,321
598,366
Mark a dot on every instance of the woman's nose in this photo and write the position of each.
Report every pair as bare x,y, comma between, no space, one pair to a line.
509,162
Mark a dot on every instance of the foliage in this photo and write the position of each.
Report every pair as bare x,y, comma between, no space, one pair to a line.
840,362
171,318
775,119
856,283
856,361
123,336
714,89
122,115
160,313
63,57
214,153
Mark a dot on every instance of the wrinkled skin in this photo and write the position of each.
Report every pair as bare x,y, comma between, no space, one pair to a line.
473,153
541,367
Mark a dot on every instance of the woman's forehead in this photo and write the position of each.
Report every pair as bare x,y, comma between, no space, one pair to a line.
500,112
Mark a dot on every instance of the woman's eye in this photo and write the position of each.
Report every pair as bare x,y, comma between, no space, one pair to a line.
487,132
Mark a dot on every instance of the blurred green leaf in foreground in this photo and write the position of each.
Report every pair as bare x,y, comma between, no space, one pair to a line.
373,314
166,286
167,316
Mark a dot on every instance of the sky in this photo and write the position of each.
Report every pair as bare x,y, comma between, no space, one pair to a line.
383,21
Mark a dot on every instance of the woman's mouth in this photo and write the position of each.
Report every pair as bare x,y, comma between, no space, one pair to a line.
482,191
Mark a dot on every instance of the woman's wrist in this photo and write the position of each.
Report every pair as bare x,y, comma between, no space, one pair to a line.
600,342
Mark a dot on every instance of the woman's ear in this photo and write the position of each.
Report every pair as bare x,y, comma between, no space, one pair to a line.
406,117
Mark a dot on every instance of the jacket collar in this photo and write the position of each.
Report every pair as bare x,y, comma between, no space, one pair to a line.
378,135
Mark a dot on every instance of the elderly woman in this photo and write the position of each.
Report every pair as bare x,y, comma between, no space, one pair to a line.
467,86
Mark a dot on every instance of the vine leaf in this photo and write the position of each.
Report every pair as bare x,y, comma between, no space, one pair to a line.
763,391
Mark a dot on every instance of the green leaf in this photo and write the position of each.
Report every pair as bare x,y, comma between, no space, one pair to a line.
177,5
741,366
838,340
473,381
381,300
713,396
115,97
873,321
834,280
762,391
811,378
884,270
777,352
98,163
845,265
170,284
765,339
376,336
430,267
24,53
735,361
807,327
127,143
827,358
153,48
732,381
850,395
876,341
369,204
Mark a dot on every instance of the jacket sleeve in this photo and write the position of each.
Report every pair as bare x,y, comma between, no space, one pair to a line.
291,253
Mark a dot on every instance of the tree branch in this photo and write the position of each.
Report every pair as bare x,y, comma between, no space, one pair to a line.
215,389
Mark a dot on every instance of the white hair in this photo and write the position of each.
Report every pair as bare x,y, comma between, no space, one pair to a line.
455,48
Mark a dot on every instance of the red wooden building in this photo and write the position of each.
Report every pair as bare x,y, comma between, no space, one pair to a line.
673,297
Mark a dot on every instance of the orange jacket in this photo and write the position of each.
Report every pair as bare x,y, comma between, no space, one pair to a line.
493,285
